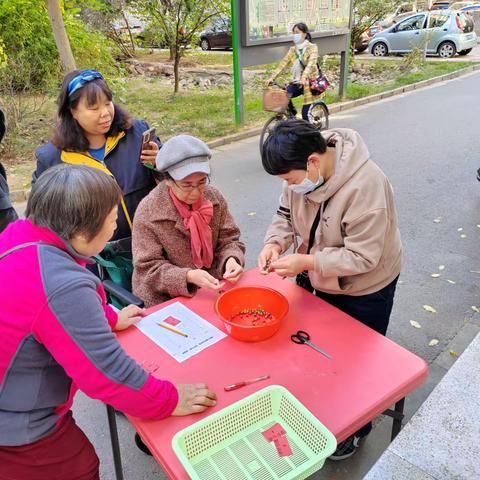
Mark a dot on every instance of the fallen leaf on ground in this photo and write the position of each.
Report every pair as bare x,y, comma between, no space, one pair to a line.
453,353
433,342
478,226
475,309
415,324
435,275
401,282
451,282
438,220
474,271
463,236
251,214
459,229
441,267
430,309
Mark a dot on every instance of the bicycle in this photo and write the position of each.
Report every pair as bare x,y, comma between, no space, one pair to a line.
318,114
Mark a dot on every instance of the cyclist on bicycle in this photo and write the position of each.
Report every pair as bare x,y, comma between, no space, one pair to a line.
303,58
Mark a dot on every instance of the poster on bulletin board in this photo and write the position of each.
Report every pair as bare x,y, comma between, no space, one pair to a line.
269,21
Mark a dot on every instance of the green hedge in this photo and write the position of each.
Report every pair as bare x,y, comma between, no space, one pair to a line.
32,56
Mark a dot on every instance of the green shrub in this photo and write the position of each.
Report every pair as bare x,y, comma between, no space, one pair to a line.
32,55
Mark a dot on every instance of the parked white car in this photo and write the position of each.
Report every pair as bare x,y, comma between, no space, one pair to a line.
444,32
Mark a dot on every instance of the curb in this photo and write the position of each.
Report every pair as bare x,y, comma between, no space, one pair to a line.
21,195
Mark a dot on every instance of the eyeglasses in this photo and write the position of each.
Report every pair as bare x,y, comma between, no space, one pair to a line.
188,187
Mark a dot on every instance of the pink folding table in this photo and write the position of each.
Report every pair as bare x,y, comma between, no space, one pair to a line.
367,375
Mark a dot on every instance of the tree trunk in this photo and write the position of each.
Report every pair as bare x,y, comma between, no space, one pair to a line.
61,38
175,69
129,32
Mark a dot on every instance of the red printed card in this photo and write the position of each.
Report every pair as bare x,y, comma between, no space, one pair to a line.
171,321
274,432
283,446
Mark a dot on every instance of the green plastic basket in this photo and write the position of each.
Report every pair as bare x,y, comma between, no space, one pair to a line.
229,444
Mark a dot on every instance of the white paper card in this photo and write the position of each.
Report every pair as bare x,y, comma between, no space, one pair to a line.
201,334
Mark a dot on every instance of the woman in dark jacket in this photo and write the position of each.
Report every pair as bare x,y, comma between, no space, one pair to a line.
92,130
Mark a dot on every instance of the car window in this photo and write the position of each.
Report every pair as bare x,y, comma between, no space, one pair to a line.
465,23
437,20
413,23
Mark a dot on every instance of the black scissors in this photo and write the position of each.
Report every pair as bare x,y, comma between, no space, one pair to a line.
302,337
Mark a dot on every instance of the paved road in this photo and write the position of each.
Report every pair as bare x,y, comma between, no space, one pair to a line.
427,142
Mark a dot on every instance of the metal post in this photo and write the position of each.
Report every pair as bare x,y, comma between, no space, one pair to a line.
344,63
345,58
237,71
117,459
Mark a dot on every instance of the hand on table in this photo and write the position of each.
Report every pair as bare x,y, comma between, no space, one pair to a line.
128,316
292,265
269,254
149,155
233,270
193,398
203,279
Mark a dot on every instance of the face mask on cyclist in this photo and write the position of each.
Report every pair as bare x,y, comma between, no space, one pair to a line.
307,185
298,38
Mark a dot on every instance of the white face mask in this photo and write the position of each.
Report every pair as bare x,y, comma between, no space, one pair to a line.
297,38
307,185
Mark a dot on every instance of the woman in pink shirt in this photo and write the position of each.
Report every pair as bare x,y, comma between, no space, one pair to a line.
57,332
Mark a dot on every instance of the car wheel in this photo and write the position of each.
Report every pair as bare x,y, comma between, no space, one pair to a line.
465,52
380,50
205,44
447,50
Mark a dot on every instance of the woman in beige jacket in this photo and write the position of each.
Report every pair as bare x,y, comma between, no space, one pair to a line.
303,60
339,203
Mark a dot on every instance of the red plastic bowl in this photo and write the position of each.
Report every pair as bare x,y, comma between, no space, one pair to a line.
233,301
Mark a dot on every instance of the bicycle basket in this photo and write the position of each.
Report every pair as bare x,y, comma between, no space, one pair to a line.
275,100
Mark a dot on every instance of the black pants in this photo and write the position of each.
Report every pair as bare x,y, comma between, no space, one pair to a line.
295,90
373,310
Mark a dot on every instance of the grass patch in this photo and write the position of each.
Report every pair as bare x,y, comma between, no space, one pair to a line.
207,114
192,57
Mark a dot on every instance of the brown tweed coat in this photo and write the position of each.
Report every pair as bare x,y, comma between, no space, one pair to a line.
161,246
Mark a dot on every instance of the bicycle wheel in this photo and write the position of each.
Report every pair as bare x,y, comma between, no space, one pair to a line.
318,115
269,126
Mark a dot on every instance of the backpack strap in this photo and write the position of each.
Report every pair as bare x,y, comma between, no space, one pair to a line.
315,223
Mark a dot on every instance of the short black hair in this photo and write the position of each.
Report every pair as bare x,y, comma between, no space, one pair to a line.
289,145
72,200
68,134
303,28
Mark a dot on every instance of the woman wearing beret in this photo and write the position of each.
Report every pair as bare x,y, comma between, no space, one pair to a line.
184,236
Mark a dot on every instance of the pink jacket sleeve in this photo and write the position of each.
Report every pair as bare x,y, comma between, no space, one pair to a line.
73,328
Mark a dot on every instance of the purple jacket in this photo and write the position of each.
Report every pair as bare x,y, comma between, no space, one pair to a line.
56,337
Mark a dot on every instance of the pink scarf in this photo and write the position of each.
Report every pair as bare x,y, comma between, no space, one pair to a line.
197,222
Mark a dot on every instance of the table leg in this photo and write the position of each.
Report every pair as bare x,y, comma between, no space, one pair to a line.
117,459
397,419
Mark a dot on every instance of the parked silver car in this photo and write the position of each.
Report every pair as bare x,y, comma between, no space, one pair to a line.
444,32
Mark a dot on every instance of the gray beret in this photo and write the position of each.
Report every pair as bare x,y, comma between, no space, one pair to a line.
183,155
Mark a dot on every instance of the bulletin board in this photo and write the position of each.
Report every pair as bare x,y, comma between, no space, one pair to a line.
271,21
